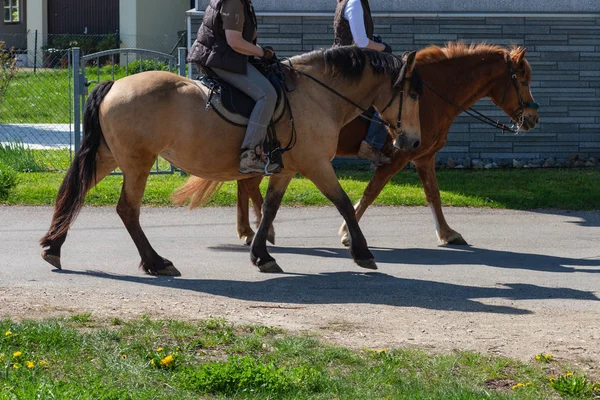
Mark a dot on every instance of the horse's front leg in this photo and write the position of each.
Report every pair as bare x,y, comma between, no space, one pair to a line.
426,171
258,249
323,176
380,178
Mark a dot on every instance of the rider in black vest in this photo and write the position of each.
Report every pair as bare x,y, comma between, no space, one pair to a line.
225,40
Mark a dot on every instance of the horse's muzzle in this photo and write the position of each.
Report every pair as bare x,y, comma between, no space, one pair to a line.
529,122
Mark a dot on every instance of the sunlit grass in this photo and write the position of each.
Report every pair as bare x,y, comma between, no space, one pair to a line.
569,189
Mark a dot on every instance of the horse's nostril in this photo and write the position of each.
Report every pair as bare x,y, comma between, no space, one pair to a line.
416,144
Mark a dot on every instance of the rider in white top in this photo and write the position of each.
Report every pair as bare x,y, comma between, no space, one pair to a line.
354,13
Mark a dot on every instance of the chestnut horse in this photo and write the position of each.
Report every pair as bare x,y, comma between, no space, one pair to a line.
462,74
130,122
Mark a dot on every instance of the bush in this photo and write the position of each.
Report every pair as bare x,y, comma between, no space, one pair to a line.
19,158
8,180
8,68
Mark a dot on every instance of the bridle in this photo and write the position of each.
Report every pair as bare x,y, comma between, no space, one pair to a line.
518,116
416,83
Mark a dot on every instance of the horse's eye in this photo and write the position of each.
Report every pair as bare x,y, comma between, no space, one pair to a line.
525,83
413,96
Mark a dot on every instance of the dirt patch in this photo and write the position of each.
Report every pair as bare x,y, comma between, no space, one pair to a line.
357,326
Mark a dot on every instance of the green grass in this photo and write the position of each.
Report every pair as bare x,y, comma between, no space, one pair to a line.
569,189
146,359
44,97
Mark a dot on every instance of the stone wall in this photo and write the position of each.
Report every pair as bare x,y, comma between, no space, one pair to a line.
564,51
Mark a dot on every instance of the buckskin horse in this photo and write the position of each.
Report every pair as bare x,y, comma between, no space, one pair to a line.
129,122
454,77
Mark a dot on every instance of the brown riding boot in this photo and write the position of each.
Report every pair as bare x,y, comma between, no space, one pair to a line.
368,152
251,163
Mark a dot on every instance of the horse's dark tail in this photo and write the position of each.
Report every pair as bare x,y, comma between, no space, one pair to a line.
82,172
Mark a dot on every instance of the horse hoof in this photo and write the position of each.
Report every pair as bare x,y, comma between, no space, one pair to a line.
346,240
52,259
455,239
247,239
458,241
270,267
169,270
368,264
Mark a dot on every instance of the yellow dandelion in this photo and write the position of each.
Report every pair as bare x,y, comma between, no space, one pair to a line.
43,363
16,366
538,357
529,384
569,374
8,333
167,361
518,385
29,364
552,379
152,362
17,354
123,355
159,349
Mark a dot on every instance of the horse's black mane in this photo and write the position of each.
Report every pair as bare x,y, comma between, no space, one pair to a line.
349,62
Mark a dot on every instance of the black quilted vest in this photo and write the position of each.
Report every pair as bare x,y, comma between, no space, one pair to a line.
341,26
210,48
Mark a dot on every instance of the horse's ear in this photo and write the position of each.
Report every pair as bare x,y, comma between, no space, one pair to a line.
410,60
518,57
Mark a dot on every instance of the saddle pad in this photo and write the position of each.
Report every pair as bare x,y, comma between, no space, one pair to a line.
233,105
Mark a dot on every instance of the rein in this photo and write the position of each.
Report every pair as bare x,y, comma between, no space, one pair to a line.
275,152
487,120
373,117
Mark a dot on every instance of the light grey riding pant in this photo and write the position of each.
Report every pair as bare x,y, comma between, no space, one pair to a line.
255,85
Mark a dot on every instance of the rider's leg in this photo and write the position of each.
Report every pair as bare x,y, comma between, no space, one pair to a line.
255,85
370,148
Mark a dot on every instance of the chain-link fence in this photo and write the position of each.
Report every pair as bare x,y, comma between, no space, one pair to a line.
36,89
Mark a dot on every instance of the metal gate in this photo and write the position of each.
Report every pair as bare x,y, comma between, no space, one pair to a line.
117,63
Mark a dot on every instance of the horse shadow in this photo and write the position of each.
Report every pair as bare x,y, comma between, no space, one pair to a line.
374,288
447,255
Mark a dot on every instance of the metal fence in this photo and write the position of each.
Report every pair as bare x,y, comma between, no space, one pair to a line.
37,109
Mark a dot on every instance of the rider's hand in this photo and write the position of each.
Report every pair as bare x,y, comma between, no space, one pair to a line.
268,52
388,48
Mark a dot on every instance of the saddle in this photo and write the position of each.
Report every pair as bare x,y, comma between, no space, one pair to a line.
232,104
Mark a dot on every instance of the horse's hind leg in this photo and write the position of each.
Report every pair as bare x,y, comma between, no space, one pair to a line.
258,250
426,171
128,208
105,164
244,231
323,176
250,187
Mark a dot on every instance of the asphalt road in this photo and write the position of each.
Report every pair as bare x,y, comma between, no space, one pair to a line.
529,281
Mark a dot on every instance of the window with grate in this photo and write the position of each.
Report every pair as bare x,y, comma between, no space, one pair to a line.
11,11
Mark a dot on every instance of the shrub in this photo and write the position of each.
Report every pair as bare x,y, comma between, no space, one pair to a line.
8,68
18,157
8,180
